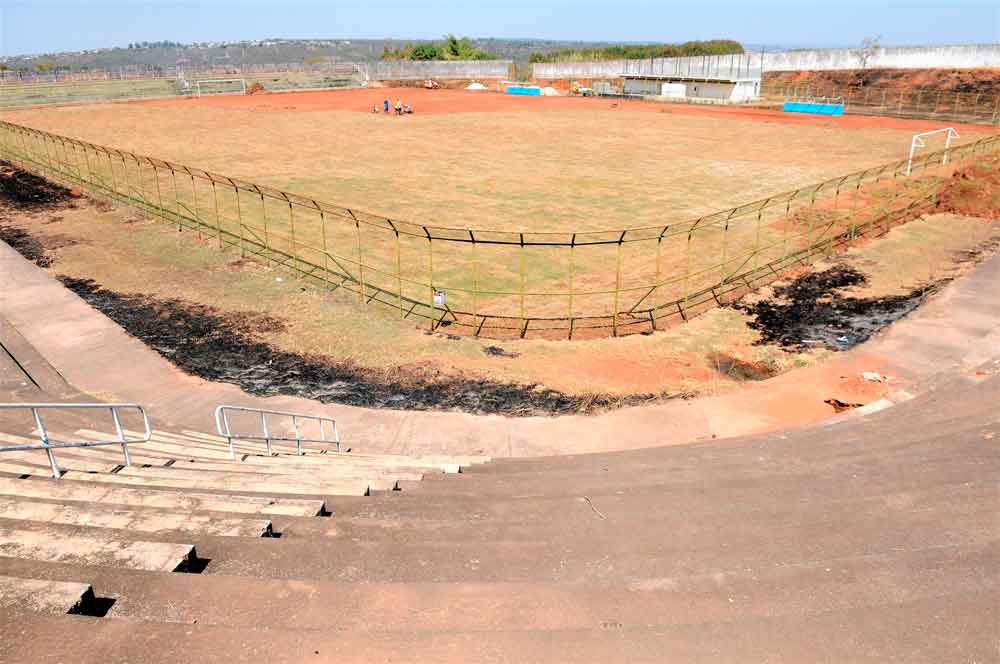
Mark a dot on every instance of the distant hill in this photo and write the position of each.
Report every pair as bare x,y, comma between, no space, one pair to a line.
168,55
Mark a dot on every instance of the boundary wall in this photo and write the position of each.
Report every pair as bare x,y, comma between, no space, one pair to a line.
750,65
402,70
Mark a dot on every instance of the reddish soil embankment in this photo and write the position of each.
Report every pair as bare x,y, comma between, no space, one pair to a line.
974,191
984,81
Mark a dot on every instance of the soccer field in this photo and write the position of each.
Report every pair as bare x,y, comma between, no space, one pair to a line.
516,208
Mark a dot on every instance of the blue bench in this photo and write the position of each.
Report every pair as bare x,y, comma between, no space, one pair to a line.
812,107
528,90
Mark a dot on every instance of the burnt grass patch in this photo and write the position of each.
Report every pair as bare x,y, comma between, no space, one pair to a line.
225,347
23,243
809,312
24,190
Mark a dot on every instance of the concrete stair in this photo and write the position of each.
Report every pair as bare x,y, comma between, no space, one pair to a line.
44,596
142,521
870,539
51,545
70,491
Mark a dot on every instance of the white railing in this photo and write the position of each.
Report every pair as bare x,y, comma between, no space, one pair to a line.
224,429
49,444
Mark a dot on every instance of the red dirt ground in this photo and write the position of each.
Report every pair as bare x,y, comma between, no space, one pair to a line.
460,101
985,81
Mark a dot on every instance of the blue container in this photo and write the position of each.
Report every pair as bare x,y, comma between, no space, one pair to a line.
814,108
527,90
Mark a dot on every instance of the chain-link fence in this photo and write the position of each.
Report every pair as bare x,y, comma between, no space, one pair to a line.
147,87
501,283
926,103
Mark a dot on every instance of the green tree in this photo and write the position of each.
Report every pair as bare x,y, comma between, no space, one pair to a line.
425,52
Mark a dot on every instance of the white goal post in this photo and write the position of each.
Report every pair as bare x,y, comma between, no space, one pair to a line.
208,83
918,142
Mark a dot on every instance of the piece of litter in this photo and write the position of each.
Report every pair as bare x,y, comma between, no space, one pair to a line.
811,341
840,406
279,279
874,377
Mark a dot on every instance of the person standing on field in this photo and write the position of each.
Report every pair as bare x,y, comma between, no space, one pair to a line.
385,106
399,107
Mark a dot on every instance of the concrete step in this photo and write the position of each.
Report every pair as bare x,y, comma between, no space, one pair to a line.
590,548
56,546
430,459
317,484
68,490
93,458
38,458
142,520
909,631
39,595
210,481
723,594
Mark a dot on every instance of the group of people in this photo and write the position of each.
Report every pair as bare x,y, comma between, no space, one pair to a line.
400,108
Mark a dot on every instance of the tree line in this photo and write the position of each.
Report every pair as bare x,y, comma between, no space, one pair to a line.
640,51
451,48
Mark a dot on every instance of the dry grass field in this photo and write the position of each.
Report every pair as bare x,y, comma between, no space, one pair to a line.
491,161
484,162
573,170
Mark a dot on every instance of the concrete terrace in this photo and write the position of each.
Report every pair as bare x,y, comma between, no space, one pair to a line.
867,537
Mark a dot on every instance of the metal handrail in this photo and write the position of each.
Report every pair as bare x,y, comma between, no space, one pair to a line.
224,430
48,444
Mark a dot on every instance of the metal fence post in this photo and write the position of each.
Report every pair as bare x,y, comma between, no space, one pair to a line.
399,271
572,274
267,436
298,436
218,221
430,277
521,287
56,473
361,266
121,435
618,284
239,219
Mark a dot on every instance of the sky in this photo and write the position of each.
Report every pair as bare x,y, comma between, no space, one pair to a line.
39,26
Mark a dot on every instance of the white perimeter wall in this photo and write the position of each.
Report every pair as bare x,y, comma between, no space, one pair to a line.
906,57
969,56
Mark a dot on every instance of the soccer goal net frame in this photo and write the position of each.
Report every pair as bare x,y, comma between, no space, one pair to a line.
918,142
213,81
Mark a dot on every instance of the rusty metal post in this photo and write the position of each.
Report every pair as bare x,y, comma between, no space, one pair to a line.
430,276
263,209
756,238
521,253
239,219
361,265
725,249
218,221
399,274
658,279
618,285
177,200
296,264
326,252
572,275
475,275
114,180
159,193
194,195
